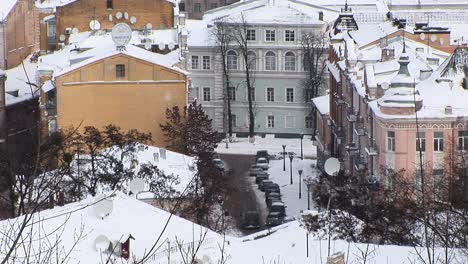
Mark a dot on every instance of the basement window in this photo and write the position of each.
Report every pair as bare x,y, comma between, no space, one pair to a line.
120,70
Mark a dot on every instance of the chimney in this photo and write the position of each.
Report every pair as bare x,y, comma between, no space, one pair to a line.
448,110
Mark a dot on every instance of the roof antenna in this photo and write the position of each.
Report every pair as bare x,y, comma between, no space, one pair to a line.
404,42
346,5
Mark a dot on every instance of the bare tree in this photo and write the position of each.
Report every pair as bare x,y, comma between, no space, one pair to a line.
240,37
314,53
222,35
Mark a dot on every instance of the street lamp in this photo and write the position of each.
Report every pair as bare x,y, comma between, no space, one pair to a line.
308,181
302,155
300,183
291,157
284,157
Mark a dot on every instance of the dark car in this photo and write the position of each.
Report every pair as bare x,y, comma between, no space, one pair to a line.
274,219
272,188
269,198
262,154
255,171
263,184
251,220
215,156
278,207
260,177
219,164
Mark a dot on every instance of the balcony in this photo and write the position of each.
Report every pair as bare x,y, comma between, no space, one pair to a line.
360,131
338,131
372,149
352,117
352,147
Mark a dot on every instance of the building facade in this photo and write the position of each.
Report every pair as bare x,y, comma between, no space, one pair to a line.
280,102
195,9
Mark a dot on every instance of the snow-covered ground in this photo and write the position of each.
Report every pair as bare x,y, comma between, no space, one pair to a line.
273,145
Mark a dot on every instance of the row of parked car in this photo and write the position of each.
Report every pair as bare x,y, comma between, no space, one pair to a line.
272,190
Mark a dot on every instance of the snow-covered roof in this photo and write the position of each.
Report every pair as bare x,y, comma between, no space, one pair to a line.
370,33
59,3
85,48
323,104
17,83
128,217
5,7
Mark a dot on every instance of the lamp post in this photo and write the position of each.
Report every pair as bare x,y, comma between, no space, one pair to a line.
300,183
291,157
302,155
284,157
308,181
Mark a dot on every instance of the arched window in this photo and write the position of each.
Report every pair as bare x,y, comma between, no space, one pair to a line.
252,60
270,61
290,61
231,60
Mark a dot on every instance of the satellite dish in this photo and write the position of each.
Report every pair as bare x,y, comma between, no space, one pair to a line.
94,25
133,20
441,41
422,36
137,185
121,34
171,46
149,26
101,243
433,38
62,37
103,207
332,166
110,17
385,85
162,46
75,31
147,45
126,15
118,15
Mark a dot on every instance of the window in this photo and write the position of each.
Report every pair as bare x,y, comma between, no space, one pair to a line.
290,95
289,61
182,7
289,121
270,35
233,120
109,4
213,5
51,28
418,179
206,94
252,58
195,93
251,35
306,62
197,8
421,141
289,35
120,70
231,60
270,61
438,141
309,121
206,62
391,140
195,62
270,94
232,93
252,94
463,140
271,121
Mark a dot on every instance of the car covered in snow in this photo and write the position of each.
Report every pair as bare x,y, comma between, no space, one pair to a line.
274,219
262,163
251,220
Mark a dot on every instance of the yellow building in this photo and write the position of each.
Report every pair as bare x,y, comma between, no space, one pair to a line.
130,88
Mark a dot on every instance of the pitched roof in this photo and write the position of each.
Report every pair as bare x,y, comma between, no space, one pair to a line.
5,8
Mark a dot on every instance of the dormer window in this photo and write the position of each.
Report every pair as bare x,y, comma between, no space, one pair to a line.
110,4
120,70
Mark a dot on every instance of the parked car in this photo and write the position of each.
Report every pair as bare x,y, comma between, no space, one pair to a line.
272,188
262,163
255,171
274,219
251,220
260,177
216,156
219,164
271,196
262,154
276,197
278,207
263,184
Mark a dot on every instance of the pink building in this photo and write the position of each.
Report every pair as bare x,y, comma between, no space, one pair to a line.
389,92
